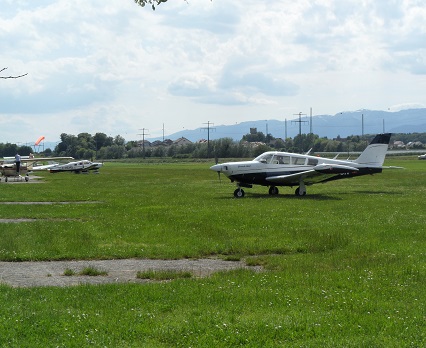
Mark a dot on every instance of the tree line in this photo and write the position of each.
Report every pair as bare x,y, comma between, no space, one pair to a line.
101,146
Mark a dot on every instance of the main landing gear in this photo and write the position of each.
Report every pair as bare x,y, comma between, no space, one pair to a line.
273,191
301,190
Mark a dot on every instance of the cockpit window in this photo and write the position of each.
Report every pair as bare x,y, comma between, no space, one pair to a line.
264,158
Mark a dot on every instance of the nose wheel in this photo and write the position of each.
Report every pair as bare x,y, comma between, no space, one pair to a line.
239,193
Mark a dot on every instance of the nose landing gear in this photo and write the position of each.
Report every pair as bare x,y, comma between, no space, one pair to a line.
239,193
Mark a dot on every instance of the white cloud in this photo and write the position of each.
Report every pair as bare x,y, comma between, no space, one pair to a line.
406,106
115,67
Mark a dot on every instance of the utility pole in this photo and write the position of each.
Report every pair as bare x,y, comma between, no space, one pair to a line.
300,128
285,130
300,122
266,135
208,136
143,140
310,124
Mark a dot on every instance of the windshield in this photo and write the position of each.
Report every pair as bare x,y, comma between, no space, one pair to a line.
264,158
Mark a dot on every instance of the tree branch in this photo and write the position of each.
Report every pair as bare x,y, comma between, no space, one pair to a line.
10,77
151,2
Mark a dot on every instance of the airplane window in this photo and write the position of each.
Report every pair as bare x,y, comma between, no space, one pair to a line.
285,159
312,161
280,159
298,161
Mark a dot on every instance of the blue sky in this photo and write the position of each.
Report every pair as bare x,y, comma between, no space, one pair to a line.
114,67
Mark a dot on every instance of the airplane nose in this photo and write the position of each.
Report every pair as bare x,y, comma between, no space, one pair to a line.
216,168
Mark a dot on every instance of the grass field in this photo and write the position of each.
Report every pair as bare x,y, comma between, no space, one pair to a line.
344,266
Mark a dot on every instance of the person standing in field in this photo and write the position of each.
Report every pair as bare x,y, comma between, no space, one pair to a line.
18,162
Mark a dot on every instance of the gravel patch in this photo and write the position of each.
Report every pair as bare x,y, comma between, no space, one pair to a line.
51,273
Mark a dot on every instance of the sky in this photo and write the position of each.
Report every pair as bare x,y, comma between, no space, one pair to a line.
120,69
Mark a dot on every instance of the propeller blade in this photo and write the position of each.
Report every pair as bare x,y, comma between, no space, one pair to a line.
220,180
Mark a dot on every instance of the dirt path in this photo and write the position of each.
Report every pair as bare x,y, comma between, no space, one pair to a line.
51,273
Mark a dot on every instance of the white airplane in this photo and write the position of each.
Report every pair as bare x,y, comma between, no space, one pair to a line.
8,166
82,166
290,169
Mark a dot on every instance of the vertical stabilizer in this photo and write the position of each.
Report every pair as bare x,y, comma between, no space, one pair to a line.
375,152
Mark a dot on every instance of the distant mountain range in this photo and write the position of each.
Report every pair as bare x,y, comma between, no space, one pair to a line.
330,126
342,124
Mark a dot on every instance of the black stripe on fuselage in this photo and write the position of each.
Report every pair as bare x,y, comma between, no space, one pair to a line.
262,177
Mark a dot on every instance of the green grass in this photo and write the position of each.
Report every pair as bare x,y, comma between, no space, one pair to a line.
69,272
92,271
344,265
163,275
87,271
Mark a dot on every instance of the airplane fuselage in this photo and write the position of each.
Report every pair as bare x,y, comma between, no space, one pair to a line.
273,164
76,167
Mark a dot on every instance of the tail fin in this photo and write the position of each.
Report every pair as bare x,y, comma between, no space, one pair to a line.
375,152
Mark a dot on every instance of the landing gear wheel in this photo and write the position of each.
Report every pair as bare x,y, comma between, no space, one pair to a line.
239,193
298,192
273,190
27,178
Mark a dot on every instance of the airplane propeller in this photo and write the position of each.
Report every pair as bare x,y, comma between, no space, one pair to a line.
218,169
220,179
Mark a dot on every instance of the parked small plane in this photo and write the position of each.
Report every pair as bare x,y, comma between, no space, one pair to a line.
82,166
8,166
290,169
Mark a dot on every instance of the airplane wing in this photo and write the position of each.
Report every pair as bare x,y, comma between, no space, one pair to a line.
41,159
319,173
32,161
27,159
43,167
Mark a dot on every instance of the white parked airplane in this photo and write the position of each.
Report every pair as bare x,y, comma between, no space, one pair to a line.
82,166
290,169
